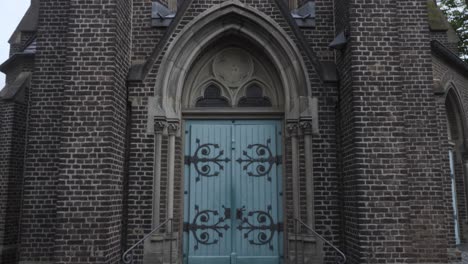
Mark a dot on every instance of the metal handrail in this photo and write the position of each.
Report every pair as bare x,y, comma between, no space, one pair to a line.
340,258
127,257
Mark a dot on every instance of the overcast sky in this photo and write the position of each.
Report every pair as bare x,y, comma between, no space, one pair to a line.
11,12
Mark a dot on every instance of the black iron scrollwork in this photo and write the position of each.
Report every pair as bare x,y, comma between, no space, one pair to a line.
204,165
260,226
200,227
263,162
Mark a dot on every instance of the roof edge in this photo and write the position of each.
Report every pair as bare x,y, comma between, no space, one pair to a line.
15,90
12,59
439,49
29,21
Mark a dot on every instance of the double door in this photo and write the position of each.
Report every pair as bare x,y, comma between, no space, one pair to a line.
232,210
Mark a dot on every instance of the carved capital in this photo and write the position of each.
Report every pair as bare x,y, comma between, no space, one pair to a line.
159,126
293,129
306,127
173,128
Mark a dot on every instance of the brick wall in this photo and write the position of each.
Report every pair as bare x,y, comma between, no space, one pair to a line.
345,117
41,166
323,33
325,172
6,121
428,217
380,188
12,132
90,181
5,116
144,37
390,152
345,134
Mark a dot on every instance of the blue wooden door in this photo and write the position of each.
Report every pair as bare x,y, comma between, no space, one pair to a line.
207,222
257,174
232,192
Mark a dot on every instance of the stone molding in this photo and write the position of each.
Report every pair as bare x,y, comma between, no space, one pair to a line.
173,128
201,31
159,126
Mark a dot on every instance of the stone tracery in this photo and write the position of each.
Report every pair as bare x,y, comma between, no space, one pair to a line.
232,77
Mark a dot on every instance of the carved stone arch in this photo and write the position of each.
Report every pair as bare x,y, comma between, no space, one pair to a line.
456,130
233,63
233,19
456,115
447,79
230,17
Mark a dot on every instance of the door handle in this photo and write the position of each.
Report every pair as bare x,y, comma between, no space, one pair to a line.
240,213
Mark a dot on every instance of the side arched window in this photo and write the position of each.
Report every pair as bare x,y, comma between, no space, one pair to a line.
254,98
212,98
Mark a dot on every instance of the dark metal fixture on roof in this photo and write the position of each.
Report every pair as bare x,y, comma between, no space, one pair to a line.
340,41
161,16
305,15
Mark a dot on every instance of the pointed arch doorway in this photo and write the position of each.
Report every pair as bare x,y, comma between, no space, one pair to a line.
235,71
233,210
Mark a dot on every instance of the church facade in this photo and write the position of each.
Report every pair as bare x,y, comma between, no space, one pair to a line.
251,131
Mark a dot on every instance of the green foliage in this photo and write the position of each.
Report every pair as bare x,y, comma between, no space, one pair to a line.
457,14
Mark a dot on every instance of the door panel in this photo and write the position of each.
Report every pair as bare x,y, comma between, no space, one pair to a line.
233,185
208,221
256,176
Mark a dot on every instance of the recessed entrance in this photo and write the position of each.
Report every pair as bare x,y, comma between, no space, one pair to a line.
233,192
232,61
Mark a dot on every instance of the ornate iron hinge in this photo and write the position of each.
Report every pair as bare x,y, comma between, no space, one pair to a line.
204,163
200,226
259,227
261,162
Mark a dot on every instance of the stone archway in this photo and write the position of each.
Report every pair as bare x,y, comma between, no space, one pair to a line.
176,90
223,19
236,67
239,153
456,132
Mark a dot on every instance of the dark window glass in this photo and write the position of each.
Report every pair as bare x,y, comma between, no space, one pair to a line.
254,98
212,98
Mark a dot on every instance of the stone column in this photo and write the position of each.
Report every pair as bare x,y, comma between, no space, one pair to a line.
159,127
293,133
172,129
309,170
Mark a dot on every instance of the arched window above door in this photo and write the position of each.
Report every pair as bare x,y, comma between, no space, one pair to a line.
212,98
254,98
228,75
